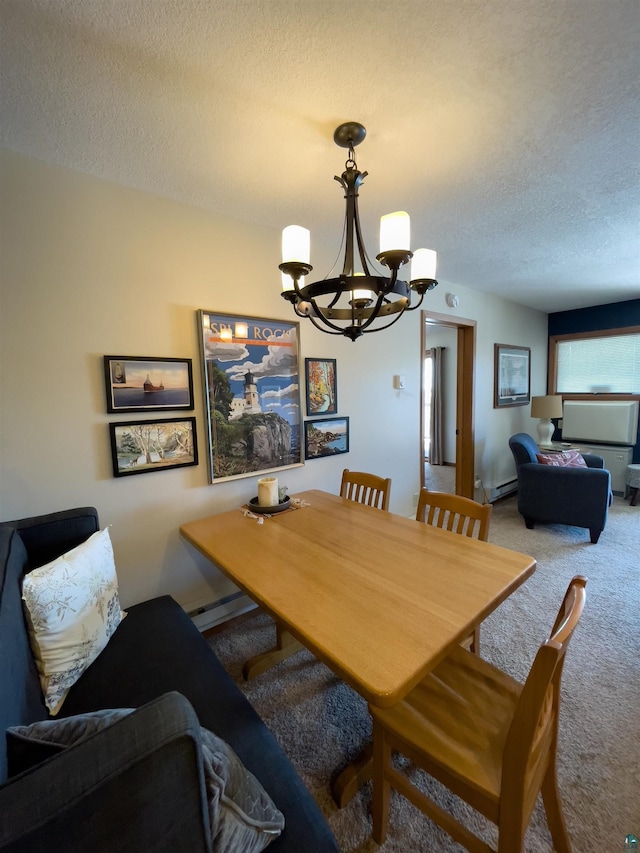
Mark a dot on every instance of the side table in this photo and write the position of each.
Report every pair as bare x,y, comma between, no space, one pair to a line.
633,481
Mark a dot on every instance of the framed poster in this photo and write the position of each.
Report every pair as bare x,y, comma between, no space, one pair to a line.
322,395
326,437
138,447
512,378
251,393
146,384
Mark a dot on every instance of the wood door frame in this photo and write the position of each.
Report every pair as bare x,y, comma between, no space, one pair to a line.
465,444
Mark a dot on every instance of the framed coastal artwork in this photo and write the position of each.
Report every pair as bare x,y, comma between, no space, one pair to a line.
512,377
326,437
251,375
146,384
322,395
138,447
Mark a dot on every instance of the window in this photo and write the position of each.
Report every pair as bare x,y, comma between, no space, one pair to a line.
605,362
427,395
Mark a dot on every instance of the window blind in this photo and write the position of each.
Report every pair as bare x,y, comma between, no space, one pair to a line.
607,365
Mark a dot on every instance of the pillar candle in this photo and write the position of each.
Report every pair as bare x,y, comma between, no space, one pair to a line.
268,491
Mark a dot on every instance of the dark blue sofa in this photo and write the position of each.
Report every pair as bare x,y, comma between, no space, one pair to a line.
548,494
137,785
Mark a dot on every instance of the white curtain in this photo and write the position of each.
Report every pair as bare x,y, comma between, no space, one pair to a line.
436,451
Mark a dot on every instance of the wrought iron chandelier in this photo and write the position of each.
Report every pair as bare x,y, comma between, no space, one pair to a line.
370,297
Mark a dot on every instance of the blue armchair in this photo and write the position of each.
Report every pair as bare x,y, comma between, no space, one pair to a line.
554,495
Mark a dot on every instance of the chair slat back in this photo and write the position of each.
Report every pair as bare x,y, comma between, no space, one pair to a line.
454,513
366,488
532,738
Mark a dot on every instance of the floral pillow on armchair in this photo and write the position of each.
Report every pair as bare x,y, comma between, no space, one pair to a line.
566,459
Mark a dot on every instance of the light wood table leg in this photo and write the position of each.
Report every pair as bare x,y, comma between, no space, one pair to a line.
349,781
286,645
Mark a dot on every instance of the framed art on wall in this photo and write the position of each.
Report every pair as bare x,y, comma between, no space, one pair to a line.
326,437
251,380
322,395
145,384
512,378
138,447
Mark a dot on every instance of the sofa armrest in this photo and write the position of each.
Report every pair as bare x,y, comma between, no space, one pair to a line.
136,785
48,536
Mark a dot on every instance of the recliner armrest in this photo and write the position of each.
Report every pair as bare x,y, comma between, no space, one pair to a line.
552,475
593,460
136,785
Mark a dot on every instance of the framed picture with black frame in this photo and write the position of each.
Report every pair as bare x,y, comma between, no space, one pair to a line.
326,437
512,380
147,384
322,394
138,447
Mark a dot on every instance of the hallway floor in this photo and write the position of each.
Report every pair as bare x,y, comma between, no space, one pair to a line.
440,478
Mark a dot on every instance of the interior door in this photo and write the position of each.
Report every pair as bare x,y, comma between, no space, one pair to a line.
466,342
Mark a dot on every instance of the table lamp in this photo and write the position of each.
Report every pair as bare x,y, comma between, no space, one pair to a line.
546,408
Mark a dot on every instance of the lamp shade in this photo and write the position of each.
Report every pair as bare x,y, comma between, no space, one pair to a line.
549,406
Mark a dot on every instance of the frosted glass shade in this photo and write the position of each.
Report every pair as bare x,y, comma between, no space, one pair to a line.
362,294
296,244
423,264
287,282
395,232
369,295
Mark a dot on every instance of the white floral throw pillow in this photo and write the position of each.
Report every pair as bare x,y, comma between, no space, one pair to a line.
72,610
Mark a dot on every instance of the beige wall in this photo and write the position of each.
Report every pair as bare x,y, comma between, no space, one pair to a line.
91,268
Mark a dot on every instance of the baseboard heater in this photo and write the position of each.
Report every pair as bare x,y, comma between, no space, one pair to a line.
503,490
212,613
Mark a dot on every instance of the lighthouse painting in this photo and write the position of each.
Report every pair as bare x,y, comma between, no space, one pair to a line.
252,394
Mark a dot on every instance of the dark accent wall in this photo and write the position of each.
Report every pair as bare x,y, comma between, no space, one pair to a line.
616,315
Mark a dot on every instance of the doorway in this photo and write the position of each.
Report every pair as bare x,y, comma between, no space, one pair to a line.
465,342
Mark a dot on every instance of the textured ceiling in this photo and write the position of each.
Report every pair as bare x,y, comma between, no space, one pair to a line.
509,129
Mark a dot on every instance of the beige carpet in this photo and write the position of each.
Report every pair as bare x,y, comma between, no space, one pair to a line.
321,723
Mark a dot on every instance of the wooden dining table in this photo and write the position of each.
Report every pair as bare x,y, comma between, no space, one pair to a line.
379,598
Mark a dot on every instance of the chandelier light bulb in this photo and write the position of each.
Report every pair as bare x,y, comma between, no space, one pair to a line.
395,232
296,244
423,264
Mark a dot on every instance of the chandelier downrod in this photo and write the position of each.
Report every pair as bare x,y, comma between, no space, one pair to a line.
369,295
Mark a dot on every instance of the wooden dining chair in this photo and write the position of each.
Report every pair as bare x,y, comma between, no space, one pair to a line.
365,488
459,515
454,513
486,737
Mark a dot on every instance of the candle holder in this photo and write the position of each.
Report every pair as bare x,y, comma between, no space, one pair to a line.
254,506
